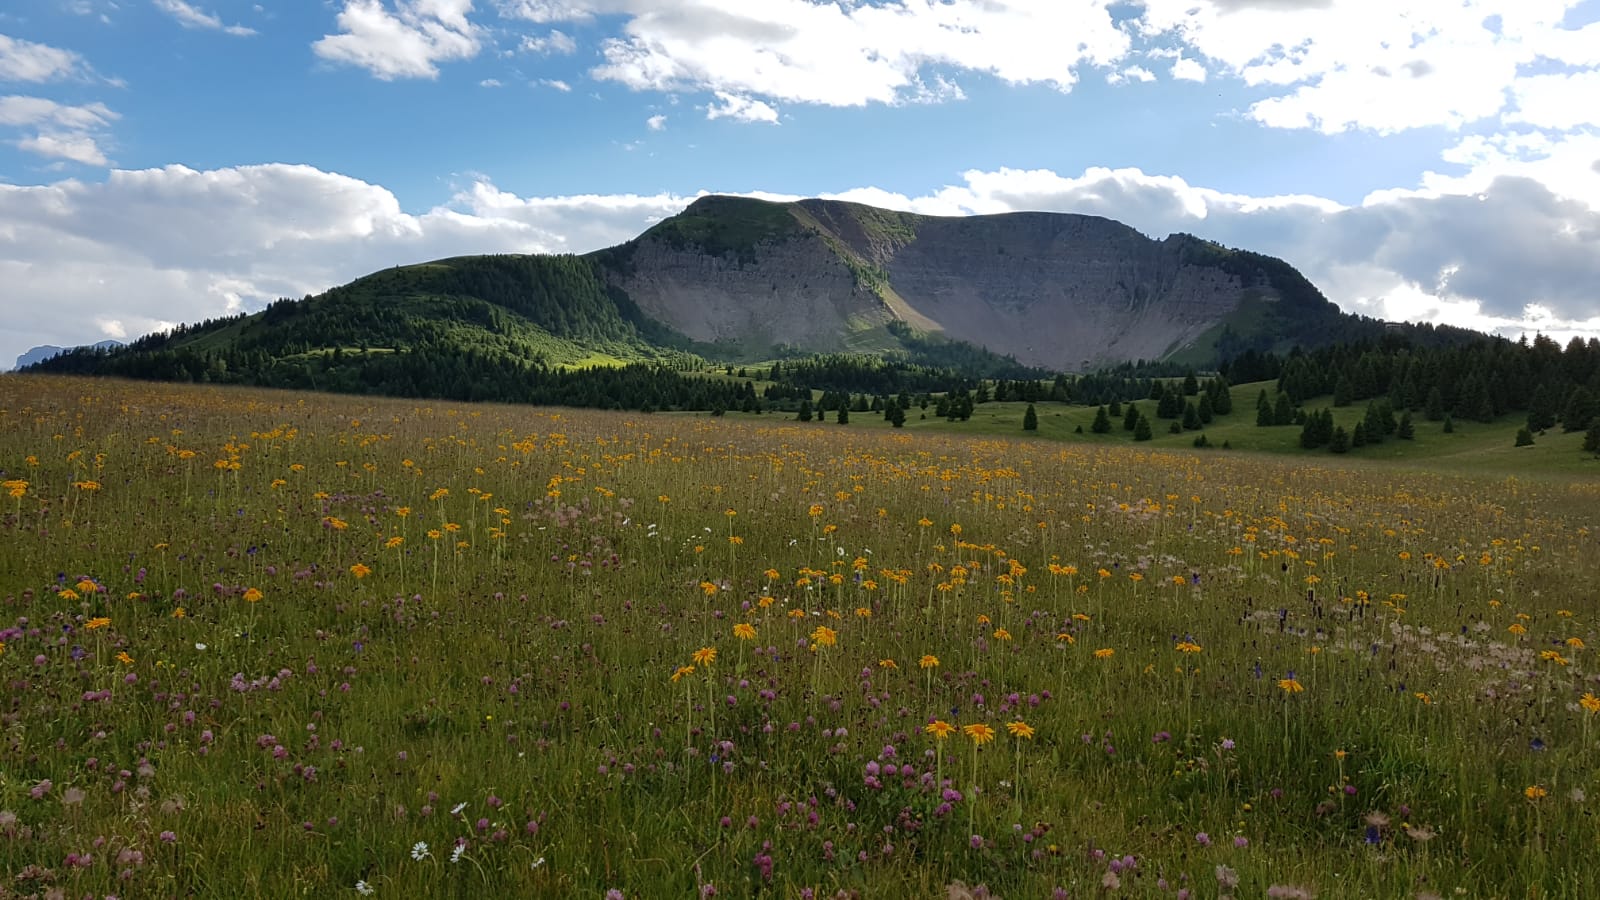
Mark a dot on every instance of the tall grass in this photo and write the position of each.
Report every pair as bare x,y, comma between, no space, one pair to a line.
262,645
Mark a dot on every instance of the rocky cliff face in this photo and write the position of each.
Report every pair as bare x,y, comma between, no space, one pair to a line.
1054,290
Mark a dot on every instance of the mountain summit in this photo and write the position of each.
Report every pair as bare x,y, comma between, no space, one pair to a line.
1056,290
733,279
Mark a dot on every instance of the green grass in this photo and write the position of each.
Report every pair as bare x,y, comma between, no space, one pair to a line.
470,617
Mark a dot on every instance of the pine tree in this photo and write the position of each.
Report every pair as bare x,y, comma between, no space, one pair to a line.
1115,409
1130,420
1580,411
1264,416
844,414
1141,431
1433,408
1030,419
1102,422
1591,440
1207,412
1340,442
1191,384
805,411
1283,411
1358,436
1191,416
1449,424
1405,431
1524,437
896,415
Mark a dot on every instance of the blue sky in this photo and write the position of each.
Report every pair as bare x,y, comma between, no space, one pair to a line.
168,160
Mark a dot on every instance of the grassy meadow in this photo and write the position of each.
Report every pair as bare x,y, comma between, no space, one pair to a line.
263,644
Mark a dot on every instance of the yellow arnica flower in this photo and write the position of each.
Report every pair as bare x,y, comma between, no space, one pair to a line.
1590,702
97,622
1534,792
939,728
1188,647
1290,685
682,671
705,656
980,733
929,662
825,636
360,570
252,595
124,658
888,664
1104,653
1020,729
744,631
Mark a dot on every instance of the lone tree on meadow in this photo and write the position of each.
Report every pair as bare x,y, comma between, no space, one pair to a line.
1030,419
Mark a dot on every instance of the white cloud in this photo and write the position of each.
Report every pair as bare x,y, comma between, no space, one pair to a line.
1560,101
841,54
56,131
656,122
1131,73
556,42
22,60
557,84
741,109
490,83
407,43
190,17
1500,252
1383,65
1186,69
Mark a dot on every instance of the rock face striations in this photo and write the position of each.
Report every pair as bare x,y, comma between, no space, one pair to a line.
1053,290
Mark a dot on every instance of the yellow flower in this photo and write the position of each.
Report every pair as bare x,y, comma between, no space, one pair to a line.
67,594
252,595
179,613
1517,628
744,631
980,733
1020,729
682,671
1590,702
360,570
939,728
1188,647
1534,792
97,622
1000,634
888,664
929,661
124,658
825,636
705,656
1575,643
1290,685
393,542
1104,653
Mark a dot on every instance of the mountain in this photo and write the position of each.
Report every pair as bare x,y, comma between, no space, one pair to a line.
931,302
1054,290
41,353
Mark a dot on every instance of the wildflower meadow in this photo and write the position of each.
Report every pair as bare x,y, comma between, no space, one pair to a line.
263,644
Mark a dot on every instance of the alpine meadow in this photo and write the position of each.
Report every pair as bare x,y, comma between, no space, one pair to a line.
269,644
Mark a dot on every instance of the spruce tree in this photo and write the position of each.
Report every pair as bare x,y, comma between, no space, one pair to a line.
1115,409
1191,417
1283,410
1524,437
1405,431
1358,436
1102,422
1580,411
1340,442
1141,431
1207,412
844,414
1030,419
1433,408
1591,439
1264,417
805,411
1130,420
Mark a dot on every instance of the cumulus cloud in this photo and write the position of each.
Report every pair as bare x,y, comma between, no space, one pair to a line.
191,17
741,109
1336,65
57,131
22,60
840,54
656,122
406,43
1504,253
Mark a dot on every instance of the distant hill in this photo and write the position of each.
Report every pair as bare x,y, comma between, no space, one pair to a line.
734,280
41,353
